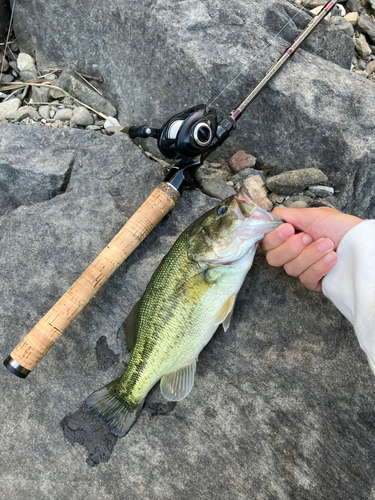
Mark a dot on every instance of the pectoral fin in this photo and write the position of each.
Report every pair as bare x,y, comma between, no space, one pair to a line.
225,314
176,386
128,328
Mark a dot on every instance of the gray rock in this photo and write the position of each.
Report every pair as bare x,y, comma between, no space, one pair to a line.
367,25
7,78
216,188
322,191
27,75
329,201
64,114
39,94
343,25
353,5
9,107
25,62
22,113
81,116
4,65
212,173
295,181
27,173
44,112
189,40
73,84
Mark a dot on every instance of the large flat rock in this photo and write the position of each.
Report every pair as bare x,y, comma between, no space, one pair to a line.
282,405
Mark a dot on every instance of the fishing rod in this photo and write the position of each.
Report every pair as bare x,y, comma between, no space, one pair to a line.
187,138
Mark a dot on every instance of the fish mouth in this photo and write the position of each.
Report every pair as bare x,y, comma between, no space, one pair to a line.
250,210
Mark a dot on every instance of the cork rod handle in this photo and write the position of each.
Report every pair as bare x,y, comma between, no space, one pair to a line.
31,350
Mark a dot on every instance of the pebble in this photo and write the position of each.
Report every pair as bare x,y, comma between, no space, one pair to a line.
44,111
290,202
215,165
367,25
362,46
64,114
205,173
257,191
4,65
25,62
57,124
52,113
352,18
81,116
9,107
244,174
240,161
295,181
322,191
338,10
24,112
353,5
298,204
92,127
28,75
111,122
7,78
276,199
217,189
14,66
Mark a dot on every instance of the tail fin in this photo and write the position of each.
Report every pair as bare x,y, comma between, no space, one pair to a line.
110,405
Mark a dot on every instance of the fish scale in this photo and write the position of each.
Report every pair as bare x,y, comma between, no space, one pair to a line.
192,291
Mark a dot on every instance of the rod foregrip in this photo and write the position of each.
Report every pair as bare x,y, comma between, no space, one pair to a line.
31,350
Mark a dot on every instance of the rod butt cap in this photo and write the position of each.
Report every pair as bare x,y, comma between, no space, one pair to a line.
16,368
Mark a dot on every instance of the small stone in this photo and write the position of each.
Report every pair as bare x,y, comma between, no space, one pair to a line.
257,191
322,191
362,46
28,75
215,165
111,122
14,66
44,111
352,18
25,62
113,130
370,67
4,65
205,173
50,76
276,199
244,174
64,114
230,183
353,5
295,181
298,204
9,107
338,11
100,123
330,202
240,161
7,78
81,116
39,94
24,112
306,200
343,25
92,127
57,124
52,113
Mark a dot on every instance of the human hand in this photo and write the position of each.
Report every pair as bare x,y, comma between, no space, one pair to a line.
311,252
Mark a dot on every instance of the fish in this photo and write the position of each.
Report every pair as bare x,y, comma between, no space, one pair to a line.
190,294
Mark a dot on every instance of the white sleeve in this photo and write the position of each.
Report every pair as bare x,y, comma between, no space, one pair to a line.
350,285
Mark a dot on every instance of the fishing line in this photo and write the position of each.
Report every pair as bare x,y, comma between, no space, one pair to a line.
7,39
260,52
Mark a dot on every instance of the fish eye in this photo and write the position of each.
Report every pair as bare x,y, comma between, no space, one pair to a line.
221,210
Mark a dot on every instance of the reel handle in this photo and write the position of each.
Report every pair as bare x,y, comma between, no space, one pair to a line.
31,350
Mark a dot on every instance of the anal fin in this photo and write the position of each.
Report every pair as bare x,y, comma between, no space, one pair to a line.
176,386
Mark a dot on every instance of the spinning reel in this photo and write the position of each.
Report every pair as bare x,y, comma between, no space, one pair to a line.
189,134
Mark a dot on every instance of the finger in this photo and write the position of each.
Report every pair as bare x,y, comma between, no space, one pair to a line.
311,254
312,277
289,250
277,237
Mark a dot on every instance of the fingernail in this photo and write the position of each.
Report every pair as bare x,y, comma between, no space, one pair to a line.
330,257
325,245
285,232
307,239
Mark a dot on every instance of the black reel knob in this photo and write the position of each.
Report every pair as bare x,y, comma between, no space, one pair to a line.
189,133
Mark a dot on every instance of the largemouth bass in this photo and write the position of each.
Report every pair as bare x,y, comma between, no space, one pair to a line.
191,293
